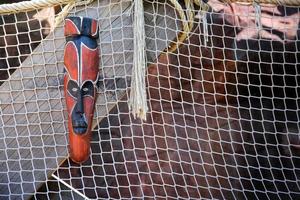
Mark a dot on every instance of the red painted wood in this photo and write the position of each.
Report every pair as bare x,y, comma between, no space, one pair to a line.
81,61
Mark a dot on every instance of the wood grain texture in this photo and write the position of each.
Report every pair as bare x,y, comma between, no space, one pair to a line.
33,134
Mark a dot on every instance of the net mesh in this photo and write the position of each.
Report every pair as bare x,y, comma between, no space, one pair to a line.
223,120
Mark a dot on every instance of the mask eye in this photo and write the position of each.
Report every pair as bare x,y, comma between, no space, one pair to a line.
88,89
85,89
73,89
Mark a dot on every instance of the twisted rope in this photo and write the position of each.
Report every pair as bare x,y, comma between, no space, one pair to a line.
187,20
30,5
186,27
25,6
62,15
138,96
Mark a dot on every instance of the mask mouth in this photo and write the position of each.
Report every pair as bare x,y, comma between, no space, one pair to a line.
79,126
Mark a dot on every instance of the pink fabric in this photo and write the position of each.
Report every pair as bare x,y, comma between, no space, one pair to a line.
244,16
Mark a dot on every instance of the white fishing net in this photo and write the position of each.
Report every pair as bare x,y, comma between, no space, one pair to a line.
223,119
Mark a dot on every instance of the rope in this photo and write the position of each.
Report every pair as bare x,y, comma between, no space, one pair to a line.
187,20
25,6
185,27
138,96
62,15
30,5
257,16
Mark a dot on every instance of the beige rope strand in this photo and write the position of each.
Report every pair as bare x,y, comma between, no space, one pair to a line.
185,27
65,11
30,5
138,96
201,4
39,4
189,4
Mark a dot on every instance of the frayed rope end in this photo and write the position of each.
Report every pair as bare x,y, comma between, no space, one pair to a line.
138,97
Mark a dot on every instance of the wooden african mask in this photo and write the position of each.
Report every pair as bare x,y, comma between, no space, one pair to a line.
81,59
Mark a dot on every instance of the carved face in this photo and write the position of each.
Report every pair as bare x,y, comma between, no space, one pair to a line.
82,68
81,61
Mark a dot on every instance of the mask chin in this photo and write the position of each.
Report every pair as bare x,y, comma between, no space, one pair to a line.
79,130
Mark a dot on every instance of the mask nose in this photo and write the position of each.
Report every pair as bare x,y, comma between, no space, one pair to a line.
78,117
79,105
